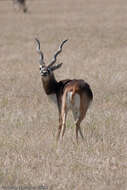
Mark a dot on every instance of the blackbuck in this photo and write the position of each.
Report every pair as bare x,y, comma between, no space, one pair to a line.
20,4
75,95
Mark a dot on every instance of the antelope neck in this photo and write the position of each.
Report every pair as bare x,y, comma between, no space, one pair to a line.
50,84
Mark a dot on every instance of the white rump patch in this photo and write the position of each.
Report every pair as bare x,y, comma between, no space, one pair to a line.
74,105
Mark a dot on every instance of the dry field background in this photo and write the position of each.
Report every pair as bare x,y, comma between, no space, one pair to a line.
97,52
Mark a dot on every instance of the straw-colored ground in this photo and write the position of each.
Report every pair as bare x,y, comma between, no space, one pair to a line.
96,52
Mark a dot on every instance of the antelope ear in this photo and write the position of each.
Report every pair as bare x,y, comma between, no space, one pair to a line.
56,66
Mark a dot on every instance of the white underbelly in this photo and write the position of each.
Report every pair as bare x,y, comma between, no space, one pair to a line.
70,104
52,98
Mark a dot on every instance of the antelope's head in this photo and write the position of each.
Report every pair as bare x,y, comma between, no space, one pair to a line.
47,71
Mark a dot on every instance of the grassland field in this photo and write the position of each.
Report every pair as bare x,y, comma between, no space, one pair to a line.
96,52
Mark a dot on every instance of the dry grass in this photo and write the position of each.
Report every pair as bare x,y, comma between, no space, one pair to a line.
96,52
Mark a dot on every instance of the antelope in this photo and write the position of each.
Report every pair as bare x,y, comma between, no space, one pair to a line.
75,95
20,4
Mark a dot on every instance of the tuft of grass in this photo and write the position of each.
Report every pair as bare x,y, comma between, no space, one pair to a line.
4,102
